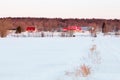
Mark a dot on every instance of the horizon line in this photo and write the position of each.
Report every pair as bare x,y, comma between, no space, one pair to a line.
58,17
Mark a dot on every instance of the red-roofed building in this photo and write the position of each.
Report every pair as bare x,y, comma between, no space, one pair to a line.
74,28
30,29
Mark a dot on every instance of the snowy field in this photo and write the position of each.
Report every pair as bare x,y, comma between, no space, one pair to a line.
50,58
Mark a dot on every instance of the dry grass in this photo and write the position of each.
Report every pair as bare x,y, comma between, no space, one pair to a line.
85,70
81,71
95,54
78,72
93,48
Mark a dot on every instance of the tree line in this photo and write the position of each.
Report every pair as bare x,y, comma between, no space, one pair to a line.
51,24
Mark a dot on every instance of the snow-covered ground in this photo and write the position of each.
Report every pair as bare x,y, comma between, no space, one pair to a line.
50,58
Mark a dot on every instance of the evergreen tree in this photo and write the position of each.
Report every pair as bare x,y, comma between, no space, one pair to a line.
18,29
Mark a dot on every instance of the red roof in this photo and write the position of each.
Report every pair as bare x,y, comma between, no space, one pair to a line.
30,28
65,29
72,28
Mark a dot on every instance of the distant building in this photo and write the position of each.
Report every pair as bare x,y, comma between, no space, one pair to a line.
31,29
84,28
72,28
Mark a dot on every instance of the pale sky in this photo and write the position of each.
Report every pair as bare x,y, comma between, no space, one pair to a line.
108,9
